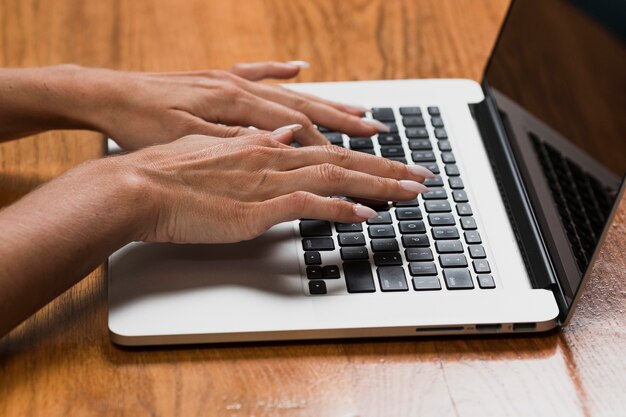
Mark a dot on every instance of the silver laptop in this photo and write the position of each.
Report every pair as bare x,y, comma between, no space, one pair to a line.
529,164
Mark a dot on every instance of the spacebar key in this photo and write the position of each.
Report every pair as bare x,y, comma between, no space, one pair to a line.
359,277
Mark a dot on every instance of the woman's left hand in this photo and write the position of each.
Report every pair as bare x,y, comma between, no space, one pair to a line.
141,109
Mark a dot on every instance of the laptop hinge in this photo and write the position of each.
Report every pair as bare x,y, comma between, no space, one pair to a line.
530,241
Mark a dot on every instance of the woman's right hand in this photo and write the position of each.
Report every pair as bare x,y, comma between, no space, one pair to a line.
202,189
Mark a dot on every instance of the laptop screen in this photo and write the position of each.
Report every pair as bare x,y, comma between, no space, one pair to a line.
558,77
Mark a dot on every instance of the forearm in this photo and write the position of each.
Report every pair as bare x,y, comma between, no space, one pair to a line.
34,100
56,235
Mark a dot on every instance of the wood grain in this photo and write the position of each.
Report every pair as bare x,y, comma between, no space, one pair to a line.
61,362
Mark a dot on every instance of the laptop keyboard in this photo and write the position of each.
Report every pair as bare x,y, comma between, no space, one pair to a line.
431,243
582,202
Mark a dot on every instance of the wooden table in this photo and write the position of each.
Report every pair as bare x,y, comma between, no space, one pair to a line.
61,362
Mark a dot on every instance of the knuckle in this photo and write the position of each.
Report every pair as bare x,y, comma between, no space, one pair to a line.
331,173
338,207
337,154
299,200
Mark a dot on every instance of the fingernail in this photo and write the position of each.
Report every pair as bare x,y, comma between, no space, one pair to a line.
413,186
356,109
420,171
280,130
381,127
364,211
301,64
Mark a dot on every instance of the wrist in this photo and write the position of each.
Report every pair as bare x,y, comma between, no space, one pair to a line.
130,196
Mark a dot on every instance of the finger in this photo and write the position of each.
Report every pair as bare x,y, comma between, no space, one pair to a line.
251,110
199,126
329,179
306,205
262,70
352,160
320,113
348,108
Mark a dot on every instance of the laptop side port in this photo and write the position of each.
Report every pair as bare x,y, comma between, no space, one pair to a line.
524,327
440,329
492,327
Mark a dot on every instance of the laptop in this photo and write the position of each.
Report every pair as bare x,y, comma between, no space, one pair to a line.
530,166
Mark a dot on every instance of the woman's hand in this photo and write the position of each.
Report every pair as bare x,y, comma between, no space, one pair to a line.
208,190
141,109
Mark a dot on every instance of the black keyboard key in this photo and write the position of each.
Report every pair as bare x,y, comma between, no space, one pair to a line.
391,278
433,111
312,258
434,182
464,209
408,213
453,261
437,206
472,236
423,156
444,145
317,287
383,217
440,133
448,158
409,203
387,258
415,241
418,254
445,232
392,151
389,139
384,245
485,281
442,219
432,167
310,228
481,266
351,239
348,227
413,121
318,243
458,279
459,196
410,111
380,231
436,121
361,143
468,223
354,253
398,159
412,226
416,132
435,194
426,283
420,145
456,183
422,268
359,277
452,170
393,127
383,114
367,151
330,272
449,246
314,272
335,138
476,251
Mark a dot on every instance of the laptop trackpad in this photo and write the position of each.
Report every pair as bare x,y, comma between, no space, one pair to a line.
149,271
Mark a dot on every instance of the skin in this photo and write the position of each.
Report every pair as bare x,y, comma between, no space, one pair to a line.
205,179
